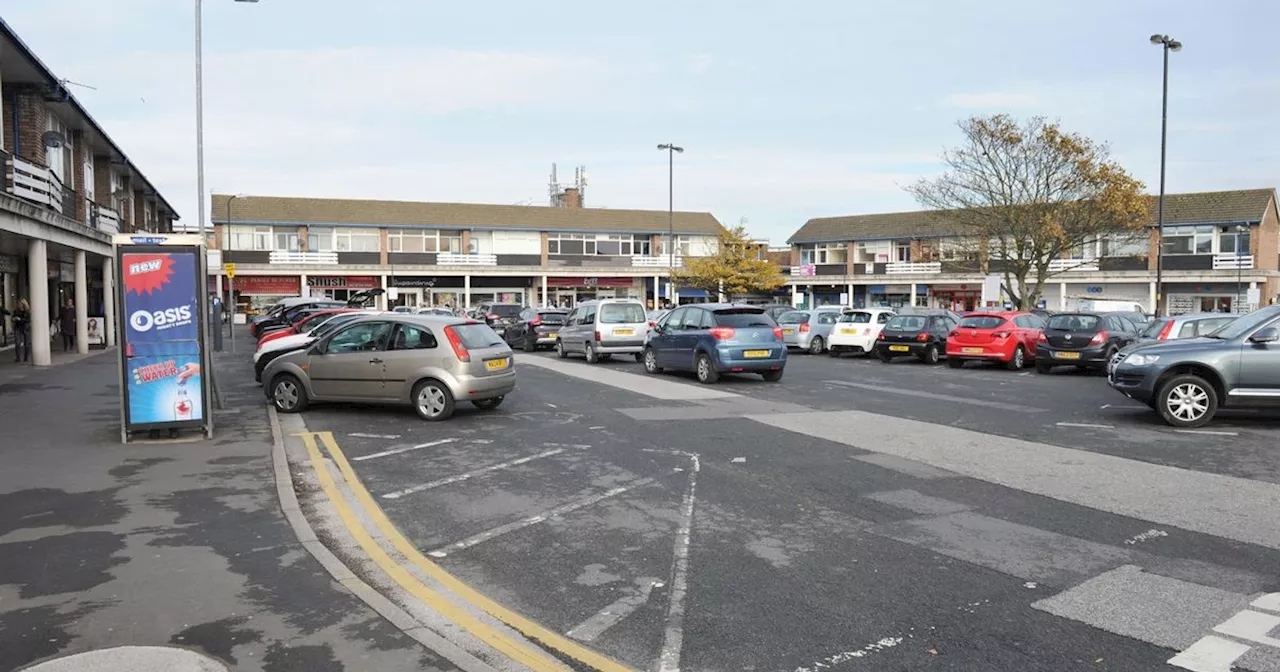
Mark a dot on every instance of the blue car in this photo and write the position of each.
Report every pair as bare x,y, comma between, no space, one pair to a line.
714,338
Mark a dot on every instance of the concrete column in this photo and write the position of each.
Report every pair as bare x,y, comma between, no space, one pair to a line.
546,300
912,295
466,291
303,289
1151,295
82,305
812,304
38,286
657,291
109,300
1062,295
850,291
381,302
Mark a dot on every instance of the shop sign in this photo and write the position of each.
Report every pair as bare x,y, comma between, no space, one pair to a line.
343,282
590,282
414,282
268,285
1093,289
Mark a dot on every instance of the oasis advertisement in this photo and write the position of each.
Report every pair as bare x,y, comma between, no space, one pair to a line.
162,338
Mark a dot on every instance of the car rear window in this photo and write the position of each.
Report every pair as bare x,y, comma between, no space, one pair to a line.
856,318
794,317
982,322
505,309
742,317
1153,330
622,313
1074,322
906,323
551,318
477,335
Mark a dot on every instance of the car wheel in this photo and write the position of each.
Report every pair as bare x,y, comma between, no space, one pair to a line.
833,352
815,346
486,404
772,376
432,400
560,351
288,395
1187,401
930,355
590,351
650,361
1042,367
885,357
705,371
1019,359
530,345
955,362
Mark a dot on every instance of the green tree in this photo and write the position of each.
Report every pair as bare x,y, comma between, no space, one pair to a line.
735,268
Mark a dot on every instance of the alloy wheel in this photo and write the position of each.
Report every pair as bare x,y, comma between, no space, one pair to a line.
431,400
1187,402
286,395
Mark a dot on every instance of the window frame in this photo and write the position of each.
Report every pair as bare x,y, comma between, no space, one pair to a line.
328,345
435,342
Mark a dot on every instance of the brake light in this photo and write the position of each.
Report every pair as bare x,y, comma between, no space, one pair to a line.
880,336
922,336
535,321
722,333
804,328
1164,332
652,324
777,332
1000,334
1042,338
494,316
456,342
1098,338
597,335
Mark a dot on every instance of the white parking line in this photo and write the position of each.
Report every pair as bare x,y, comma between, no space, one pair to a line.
673,633
534,520
470,474
608,617
941,397
1208,432
397,451
362,435
1087,425
1124,407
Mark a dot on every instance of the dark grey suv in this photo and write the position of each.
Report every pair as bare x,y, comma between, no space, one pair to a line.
1186,381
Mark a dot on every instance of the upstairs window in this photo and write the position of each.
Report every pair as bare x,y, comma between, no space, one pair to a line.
1188,240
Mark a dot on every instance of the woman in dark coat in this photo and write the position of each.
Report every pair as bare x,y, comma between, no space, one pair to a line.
22,331
67,325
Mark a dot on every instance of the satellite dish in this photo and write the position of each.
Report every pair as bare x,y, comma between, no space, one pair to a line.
53,139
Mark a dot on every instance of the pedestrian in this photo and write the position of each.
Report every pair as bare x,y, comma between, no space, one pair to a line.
67,325
22,331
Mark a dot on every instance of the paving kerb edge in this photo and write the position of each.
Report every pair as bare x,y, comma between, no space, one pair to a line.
343,574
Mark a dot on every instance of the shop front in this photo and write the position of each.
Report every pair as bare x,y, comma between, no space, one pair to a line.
255,293
568,292
1210,297
897,296
959,298
426,290
340,287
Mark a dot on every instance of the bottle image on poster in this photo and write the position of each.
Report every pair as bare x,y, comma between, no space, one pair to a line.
162,337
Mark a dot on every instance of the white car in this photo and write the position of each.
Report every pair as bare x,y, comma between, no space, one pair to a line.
856,330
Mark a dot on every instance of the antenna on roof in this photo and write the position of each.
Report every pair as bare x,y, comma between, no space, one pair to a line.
64,82
553,189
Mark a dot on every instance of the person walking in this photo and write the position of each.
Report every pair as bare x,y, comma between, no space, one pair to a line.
67,325
22,331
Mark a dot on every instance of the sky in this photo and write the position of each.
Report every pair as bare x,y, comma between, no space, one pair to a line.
786,110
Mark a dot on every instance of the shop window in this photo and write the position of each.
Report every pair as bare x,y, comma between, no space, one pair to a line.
1188,240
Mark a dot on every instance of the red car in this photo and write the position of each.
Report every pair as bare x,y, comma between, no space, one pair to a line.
1008,338
303,325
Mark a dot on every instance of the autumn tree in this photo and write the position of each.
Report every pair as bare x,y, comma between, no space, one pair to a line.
1024,195
733,269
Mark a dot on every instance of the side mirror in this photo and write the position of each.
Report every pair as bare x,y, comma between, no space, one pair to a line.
1266,335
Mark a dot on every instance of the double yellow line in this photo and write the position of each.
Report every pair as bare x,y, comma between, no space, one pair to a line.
514,648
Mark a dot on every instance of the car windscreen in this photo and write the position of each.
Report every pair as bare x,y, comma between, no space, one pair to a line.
477,335
742,318
622,313
1243,325
906,323
1153,330
551,318
794,317
982,322
333,323
316,321
505,309
1074,322
856,318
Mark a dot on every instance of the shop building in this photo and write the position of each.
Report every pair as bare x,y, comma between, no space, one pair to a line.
67,189
1221,252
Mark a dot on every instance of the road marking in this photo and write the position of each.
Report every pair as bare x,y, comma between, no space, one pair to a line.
470,474
878,645
362,435
583,503
651,386
397,451
1087,425
611,615
1145,536
1210,654
483,631
1124,407
1252,626
940,397
1270,602
532,629
673,634
1207,432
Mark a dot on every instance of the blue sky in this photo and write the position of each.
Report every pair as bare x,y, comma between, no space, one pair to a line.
787,110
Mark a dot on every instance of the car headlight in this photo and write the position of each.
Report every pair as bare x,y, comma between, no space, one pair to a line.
1139,359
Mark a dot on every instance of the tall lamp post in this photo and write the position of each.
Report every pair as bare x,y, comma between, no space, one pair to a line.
231,284
1167,44
671,151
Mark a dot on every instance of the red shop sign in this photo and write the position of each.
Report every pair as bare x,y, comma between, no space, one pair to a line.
343,282
268,285
590,282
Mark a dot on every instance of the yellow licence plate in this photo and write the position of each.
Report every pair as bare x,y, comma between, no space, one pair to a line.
848,331
496,364
971,351
755,353
1067,355
623,332
553,334
788,331
899,348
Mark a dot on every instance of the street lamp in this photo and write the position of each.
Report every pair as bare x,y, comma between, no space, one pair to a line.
671,151
1167,44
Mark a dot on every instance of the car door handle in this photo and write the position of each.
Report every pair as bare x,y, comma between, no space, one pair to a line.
375,360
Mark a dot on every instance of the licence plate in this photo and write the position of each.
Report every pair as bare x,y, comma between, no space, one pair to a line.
553,334
899,348
624,332
755,353
788,331
971,351
1066,355
848,331
496,364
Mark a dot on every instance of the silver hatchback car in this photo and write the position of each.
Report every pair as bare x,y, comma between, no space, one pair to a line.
809,330
427,361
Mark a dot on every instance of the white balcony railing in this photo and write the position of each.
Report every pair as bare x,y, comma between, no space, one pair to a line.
1232,261
658,261
286,257
34,183
105,219
1064,265
463,259
908,267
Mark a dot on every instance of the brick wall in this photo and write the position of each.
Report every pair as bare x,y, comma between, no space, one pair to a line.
8,93
466,242
795,255
166,225
1265,243
544,252
302,239
571,197
102,180
1153,247
31,122
383,245
139,214
848,266
216,243
78,148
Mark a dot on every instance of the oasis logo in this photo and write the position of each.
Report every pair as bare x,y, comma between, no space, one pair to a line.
142,320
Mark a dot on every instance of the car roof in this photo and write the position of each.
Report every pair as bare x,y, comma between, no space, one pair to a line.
722,306
1198,316
604,301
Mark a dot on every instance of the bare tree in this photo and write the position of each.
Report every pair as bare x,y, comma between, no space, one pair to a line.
1025,197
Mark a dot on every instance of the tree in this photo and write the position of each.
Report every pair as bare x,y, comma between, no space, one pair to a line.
733,269
1023,196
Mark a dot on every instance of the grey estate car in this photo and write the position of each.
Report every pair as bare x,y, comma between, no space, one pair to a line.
1187,380
809,330
427,361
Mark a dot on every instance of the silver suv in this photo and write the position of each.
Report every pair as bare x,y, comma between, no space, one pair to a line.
602,328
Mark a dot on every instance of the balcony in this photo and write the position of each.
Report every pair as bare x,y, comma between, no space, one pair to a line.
34,183
912,268
103,218
1067,265
463,259
287,257
1222,262
658,261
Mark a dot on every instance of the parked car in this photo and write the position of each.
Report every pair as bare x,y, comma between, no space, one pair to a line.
1041,313
602,328
711,339
654,316
922,334
425,361
1007,338
775,310
312,320
1083,340
1190,325
269,351
286,316
436,310
498,315
275,310
856,331
535,328
809,329
1186,381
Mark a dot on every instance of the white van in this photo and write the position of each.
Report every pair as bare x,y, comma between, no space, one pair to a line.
1110,306
602,328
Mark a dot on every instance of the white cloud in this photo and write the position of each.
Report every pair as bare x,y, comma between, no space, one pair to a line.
994,100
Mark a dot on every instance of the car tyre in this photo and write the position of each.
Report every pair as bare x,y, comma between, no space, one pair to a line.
955,362
640,357
1043,367
705,371
530,345
650,360
884,356
560,351
1019,359
930,355
832,352
486,404
288,395
816,346
590,353
772,376
432,400
1187,401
